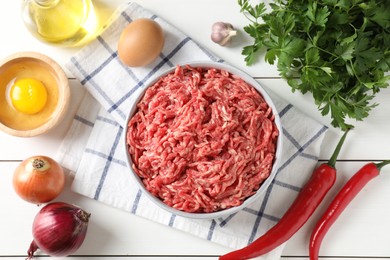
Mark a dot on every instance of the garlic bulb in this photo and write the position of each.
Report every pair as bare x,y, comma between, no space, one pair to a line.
222,33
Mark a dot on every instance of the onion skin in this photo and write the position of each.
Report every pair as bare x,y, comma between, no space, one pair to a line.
59,229
38,179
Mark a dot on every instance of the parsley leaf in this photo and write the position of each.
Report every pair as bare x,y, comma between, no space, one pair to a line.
337,50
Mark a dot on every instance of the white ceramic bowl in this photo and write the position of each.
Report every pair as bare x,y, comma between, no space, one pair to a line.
263,186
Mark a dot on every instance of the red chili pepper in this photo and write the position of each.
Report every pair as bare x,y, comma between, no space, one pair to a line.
343,198
299,212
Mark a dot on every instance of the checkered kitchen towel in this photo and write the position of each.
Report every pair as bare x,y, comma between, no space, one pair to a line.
96,136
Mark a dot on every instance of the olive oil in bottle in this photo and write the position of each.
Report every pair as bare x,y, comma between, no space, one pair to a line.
60,22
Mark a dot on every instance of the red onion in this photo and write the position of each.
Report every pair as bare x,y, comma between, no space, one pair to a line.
59,229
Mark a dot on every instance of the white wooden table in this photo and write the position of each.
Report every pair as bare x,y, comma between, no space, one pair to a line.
362,232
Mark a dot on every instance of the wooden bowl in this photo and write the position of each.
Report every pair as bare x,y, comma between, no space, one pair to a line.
36,66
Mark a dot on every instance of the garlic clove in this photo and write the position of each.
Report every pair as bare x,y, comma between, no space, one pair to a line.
222,33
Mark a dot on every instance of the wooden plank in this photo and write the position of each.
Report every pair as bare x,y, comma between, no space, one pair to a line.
115,232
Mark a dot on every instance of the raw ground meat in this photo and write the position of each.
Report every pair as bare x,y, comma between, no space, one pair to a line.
202,140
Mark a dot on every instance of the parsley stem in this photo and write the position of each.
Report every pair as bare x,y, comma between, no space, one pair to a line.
249,17
319,48
354,72
328,52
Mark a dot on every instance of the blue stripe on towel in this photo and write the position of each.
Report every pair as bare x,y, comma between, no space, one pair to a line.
309,156
226,220
285,110
108,121
211,229
286,185
83,120
136,201
292,139
105,157
108,162
172,220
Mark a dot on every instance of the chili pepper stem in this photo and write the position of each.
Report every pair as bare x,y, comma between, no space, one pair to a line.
333,158
381,164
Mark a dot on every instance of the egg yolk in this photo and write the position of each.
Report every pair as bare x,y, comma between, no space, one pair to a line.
28,95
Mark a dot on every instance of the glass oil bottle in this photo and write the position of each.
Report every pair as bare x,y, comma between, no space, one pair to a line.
61,22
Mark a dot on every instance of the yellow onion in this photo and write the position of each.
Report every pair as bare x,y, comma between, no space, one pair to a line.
39,179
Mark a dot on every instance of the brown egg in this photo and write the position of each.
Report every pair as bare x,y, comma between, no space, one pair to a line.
140,42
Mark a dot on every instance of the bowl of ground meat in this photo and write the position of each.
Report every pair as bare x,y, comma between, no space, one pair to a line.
203,140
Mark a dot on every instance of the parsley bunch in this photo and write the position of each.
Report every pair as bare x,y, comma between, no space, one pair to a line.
338,50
